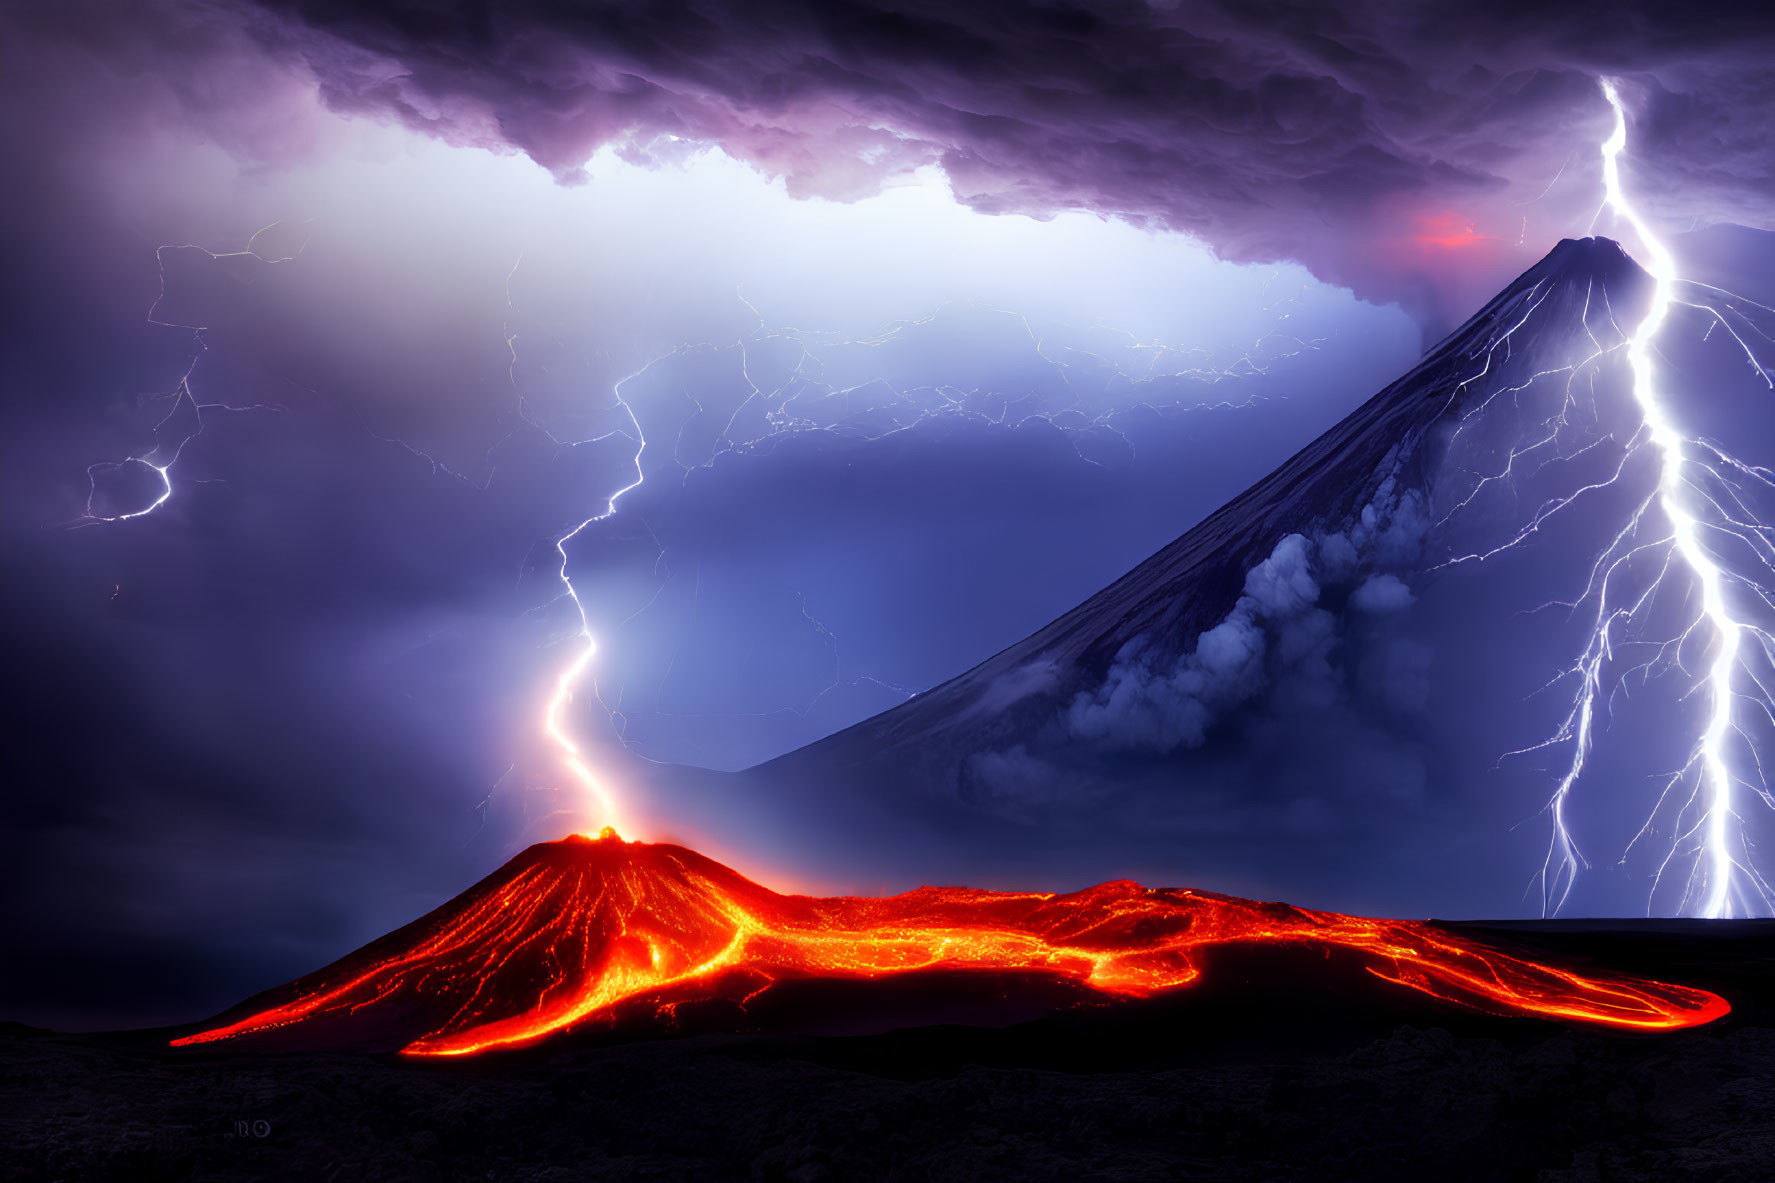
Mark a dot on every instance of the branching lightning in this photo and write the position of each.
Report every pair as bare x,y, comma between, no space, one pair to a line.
599,805
1697,511
573,672
1723,882
782,419
170,434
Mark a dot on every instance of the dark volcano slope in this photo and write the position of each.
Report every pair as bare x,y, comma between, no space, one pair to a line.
989,774
1191,584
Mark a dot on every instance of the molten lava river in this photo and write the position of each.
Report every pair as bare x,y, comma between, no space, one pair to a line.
569,931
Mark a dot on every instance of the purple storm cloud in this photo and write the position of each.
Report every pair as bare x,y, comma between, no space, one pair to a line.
1418,153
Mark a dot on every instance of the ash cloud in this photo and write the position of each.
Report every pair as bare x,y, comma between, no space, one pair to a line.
1313,672
1277,641
1417,153
1146,706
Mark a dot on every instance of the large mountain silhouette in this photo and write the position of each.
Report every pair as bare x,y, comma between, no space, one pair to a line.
1306,694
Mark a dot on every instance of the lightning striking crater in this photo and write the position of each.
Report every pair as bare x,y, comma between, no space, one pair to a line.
573,672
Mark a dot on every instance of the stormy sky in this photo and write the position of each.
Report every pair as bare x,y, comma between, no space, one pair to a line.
917,324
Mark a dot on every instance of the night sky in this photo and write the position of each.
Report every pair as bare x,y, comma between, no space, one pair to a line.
916,325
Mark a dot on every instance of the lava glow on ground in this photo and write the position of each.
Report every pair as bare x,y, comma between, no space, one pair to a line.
568,932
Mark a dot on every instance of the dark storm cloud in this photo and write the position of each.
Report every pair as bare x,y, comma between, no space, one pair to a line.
1360,138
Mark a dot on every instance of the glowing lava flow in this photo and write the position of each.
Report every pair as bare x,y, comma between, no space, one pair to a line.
580,931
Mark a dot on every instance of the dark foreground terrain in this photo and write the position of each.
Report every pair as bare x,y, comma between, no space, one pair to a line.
1276,1066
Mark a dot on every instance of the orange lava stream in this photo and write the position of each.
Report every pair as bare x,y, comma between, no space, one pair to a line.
569,930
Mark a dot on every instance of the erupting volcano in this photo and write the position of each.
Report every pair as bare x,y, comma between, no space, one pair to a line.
585,931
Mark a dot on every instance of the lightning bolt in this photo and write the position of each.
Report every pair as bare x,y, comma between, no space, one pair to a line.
1701,498
1725,879
573,672
169,441
169,444
1163,364
161,468
554,724
583,645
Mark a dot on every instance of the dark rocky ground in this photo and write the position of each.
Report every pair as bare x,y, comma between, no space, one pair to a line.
1276,1066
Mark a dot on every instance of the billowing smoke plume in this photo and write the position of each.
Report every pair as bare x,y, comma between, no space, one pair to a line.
1278,638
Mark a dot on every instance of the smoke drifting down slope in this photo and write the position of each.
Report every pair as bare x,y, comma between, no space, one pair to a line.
582,933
